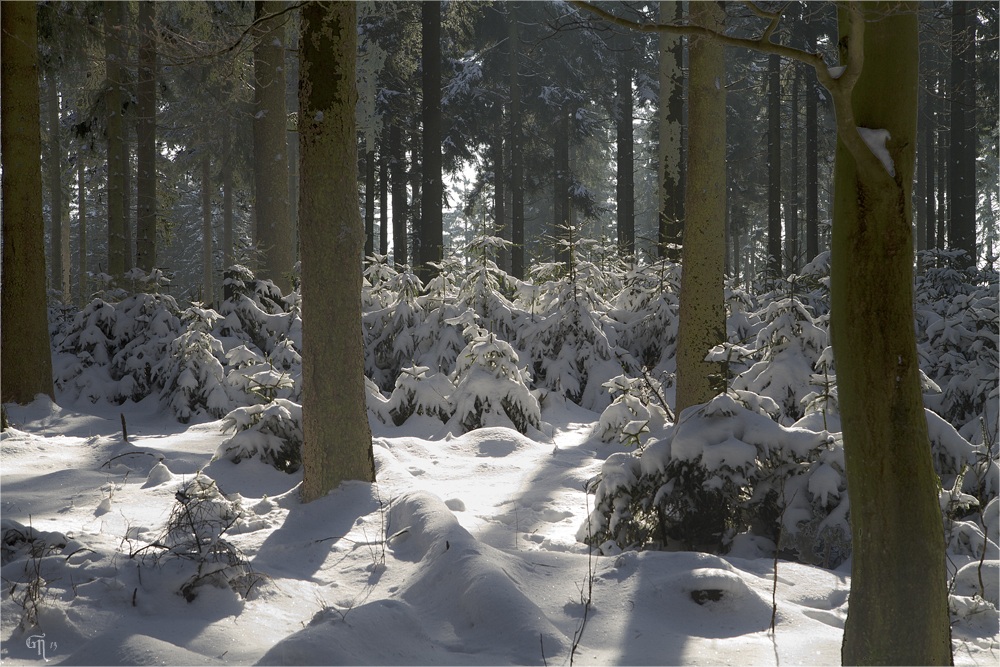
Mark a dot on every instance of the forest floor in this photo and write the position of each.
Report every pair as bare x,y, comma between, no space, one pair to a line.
464,552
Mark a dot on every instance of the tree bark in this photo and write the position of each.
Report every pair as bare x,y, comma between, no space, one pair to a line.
561,219
369,200
145,150
24,327
792,208
774,165
228,257
337,439
60,233
499,217
397,160
383,201
702,313
812,162
81,190
208,290
962,219
899,603
430,232
116,169
625,183
516,143
274,233
671,118
127,197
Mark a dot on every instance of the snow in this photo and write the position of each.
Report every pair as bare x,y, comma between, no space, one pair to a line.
464,552
876,142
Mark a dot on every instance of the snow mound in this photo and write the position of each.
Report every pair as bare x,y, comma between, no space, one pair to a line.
462,599
135,649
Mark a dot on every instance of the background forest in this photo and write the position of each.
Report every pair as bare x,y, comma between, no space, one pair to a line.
522,173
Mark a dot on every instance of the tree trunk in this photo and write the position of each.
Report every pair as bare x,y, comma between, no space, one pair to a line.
208,290
929,163
274,234
812,162
792,209
337,439
899,605
145,150
127,197
560,188
625,184
774,165
24,327
397,158
369,200
227,198
516,157
499,218
60,246
431,232
81,190
671,118
702,314
116,170
962,221
383,201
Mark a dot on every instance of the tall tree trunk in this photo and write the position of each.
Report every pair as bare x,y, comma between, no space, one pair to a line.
228,258
337,442
24,326
899,603
81,191
930,219
208,290
60,246
383,200
812,162
397,158
274,233
671,118
560,188
127,197
626,156
116,169
792,208
962,222
499,218
774,165
145,150
369,200
516,143
430,232
702,313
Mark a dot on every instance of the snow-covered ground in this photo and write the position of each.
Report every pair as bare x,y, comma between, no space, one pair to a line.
464,552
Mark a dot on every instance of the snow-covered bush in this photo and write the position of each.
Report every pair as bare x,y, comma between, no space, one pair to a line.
791,344
420,391
630,415
491,389
192,377
272,432
720,471
109,350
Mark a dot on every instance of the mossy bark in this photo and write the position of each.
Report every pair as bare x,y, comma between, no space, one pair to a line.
145,150
671,114
702,316
24,331
337,439
116,146
899,605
